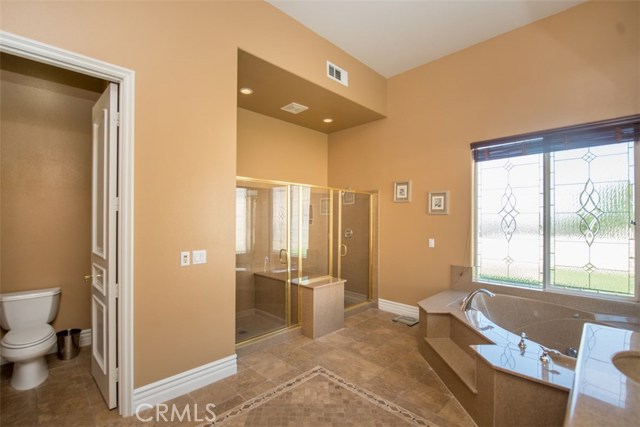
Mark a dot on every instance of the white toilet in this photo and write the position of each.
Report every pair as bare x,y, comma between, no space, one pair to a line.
26,315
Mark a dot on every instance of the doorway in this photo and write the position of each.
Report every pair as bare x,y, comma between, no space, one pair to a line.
87,67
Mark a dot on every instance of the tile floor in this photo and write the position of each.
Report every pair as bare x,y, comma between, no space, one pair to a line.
250,325
371,351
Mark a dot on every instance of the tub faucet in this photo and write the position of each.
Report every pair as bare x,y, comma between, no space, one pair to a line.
466,302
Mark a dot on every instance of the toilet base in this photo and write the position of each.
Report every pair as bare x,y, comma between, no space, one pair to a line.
28,375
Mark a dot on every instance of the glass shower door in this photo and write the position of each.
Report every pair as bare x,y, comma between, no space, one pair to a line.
262,261
352,239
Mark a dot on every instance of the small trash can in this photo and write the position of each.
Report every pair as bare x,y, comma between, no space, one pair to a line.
68,343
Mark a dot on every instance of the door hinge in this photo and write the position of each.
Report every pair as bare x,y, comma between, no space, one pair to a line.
116,374
116,289
116,203
116,119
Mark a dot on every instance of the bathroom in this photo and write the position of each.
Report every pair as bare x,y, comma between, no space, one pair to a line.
433,113
46,186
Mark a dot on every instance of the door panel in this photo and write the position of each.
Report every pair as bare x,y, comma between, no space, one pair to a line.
262,258
352,238
103,244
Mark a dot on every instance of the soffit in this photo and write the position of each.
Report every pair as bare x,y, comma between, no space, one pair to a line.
274,87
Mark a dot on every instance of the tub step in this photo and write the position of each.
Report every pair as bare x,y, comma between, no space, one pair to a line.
463,365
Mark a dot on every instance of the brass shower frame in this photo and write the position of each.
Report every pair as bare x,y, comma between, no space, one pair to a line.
332,190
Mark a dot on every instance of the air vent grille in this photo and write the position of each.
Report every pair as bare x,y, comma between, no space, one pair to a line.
338,74
294,108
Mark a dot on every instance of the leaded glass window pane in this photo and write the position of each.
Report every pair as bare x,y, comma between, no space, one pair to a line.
509,220
591,214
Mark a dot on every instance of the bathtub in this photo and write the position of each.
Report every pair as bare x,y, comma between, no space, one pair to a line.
477,354
551,325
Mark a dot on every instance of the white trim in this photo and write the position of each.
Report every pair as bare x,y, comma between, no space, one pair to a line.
398,308
186,382
40,52
85,337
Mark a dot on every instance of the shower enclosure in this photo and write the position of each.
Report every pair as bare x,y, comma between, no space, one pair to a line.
286,233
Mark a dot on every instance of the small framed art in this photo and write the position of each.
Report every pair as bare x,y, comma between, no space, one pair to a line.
402,191
439,203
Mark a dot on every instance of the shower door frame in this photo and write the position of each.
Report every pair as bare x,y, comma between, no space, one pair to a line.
332,221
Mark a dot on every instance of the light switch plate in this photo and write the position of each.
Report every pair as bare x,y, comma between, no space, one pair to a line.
200,257
432,243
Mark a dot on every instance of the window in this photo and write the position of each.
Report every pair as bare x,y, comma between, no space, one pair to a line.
556,210
299,241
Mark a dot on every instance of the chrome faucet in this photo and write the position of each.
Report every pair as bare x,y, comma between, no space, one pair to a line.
466,302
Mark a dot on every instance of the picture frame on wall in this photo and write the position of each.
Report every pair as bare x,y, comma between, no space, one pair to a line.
402,191
438,203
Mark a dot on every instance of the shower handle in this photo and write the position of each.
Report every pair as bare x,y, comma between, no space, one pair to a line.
282,257
343,250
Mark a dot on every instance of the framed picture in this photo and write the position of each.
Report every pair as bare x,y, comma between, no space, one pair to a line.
402,191
439,203
348,198
324,206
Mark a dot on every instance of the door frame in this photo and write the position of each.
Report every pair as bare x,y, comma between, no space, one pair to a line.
125,78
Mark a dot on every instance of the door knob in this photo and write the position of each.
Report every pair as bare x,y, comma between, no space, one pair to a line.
88,278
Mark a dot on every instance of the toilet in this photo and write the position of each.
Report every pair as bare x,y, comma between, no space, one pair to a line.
26,316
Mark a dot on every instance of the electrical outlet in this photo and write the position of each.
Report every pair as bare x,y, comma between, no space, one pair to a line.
185,259
199,257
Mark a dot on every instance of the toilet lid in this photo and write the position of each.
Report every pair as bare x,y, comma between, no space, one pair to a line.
29,336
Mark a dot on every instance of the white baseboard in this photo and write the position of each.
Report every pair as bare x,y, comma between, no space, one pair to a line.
398,308
169,388
85,337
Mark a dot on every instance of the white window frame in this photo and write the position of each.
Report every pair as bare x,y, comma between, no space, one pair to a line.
546,286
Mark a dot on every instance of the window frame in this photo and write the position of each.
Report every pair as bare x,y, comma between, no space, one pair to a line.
545,285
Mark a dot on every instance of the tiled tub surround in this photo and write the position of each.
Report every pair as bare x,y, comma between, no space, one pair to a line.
480,361
602,394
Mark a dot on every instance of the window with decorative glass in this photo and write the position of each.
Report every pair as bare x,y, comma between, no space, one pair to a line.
555,210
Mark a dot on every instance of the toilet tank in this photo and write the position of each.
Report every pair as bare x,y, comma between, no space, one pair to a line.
25,308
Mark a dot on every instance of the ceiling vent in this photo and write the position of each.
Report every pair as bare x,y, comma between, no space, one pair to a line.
294,108
338,74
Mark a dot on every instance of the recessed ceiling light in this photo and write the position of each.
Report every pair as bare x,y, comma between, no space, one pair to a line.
246,91
328,120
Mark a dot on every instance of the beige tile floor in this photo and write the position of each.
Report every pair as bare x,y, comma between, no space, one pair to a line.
371,352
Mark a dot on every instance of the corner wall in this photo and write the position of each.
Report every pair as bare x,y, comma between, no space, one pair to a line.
184,55
276,150
578,66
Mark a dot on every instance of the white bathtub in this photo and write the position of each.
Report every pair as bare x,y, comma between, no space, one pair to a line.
551,325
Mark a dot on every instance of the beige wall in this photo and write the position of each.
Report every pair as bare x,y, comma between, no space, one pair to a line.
272,149
577,66
45,145
185,58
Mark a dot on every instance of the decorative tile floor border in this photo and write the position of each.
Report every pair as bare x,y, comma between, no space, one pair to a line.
372,398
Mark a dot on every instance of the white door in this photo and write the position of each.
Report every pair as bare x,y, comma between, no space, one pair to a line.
104,289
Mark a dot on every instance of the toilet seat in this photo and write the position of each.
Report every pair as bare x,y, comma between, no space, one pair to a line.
28,337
